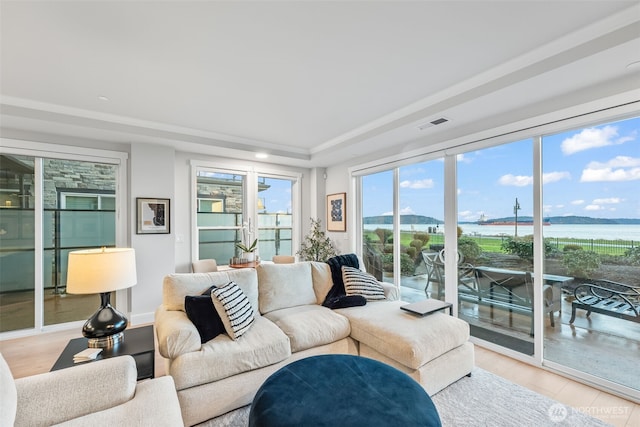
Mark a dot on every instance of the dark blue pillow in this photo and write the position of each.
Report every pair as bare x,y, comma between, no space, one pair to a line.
203,315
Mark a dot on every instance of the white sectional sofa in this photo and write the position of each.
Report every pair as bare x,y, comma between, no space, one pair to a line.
221,375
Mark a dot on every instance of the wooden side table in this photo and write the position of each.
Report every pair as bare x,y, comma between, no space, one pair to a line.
138,343
252,264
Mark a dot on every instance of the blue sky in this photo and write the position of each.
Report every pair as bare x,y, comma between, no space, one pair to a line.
277,198
586,172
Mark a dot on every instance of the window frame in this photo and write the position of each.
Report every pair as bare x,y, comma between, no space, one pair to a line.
40,151
250,201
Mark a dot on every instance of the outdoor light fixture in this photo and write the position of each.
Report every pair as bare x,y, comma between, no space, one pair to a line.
102,271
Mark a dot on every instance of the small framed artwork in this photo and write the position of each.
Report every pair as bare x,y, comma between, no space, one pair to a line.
152,216
337,212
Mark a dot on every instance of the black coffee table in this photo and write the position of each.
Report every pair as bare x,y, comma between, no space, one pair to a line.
138,343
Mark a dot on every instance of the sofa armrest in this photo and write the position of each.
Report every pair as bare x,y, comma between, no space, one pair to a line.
155,404
59,396
176,333
391,292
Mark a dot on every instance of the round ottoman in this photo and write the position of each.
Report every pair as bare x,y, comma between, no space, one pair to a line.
341,390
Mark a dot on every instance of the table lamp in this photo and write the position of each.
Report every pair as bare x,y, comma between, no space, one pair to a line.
102,271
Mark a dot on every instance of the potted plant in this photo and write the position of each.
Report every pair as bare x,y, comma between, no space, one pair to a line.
249,251
316,245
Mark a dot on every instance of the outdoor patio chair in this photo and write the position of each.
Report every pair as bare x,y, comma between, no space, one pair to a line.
435,272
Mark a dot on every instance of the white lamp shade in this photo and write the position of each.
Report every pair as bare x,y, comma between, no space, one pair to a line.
94,271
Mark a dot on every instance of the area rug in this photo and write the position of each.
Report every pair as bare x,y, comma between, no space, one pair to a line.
483,399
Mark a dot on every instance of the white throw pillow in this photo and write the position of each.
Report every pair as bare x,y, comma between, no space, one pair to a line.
357,282
234,309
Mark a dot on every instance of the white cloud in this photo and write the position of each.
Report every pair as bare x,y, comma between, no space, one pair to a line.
386,213
577,202
555,176
515,180
407,211
593,138
417,185
593,208
620,168
461,158
611,200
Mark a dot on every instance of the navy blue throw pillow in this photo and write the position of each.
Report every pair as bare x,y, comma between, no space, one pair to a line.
203,315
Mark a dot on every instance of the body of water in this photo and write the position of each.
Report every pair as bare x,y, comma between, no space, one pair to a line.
577,231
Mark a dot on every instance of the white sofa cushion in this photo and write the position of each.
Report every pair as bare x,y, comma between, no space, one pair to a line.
404,337
177,286
285,285
310,326
262,345
322,281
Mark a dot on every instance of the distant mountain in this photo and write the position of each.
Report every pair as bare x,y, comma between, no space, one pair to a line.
427,220
404,219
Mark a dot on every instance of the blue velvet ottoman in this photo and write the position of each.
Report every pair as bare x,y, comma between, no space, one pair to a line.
341,390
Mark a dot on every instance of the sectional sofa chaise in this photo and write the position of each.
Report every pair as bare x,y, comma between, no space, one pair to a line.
288,323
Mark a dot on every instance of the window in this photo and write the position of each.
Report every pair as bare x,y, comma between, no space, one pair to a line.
495,207
51,204
220,200
239,206
591,178
537,220
275,218
378,224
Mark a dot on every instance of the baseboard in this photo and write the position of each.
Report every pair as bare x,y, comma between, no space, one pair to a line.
140,319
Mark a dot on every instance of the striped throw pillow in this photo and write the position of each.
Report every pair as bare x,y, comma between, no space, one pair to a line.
357,282
234,309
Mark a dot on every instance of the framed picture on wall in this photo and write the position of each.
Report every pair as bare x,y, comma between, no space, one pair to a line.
152,216
337,212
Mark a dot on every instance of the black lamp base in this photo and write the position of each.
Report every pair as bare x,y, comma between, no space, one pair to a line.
106,342
105,328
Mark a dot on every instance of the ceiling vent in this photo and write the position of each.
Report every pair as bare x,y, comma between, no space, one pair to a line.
435,122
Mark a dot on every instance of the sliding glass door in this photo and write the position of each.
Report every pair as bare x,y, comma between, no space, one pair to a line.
421,210
49,207
547,259
591,193
495,244
17,243
378,224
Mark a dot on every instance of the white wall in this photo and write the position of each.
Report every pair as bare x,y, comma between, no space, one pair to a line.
152,170
338,181
159,171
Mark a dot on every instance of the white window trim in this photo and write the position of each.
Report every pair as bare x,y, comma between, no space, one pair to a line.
250,211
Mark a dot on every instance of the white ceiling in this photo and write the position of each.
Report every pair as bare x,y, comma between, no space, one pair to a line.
311,83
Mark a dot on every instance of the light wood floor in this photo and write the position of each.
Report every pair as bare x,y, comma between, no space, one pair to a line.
36,354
